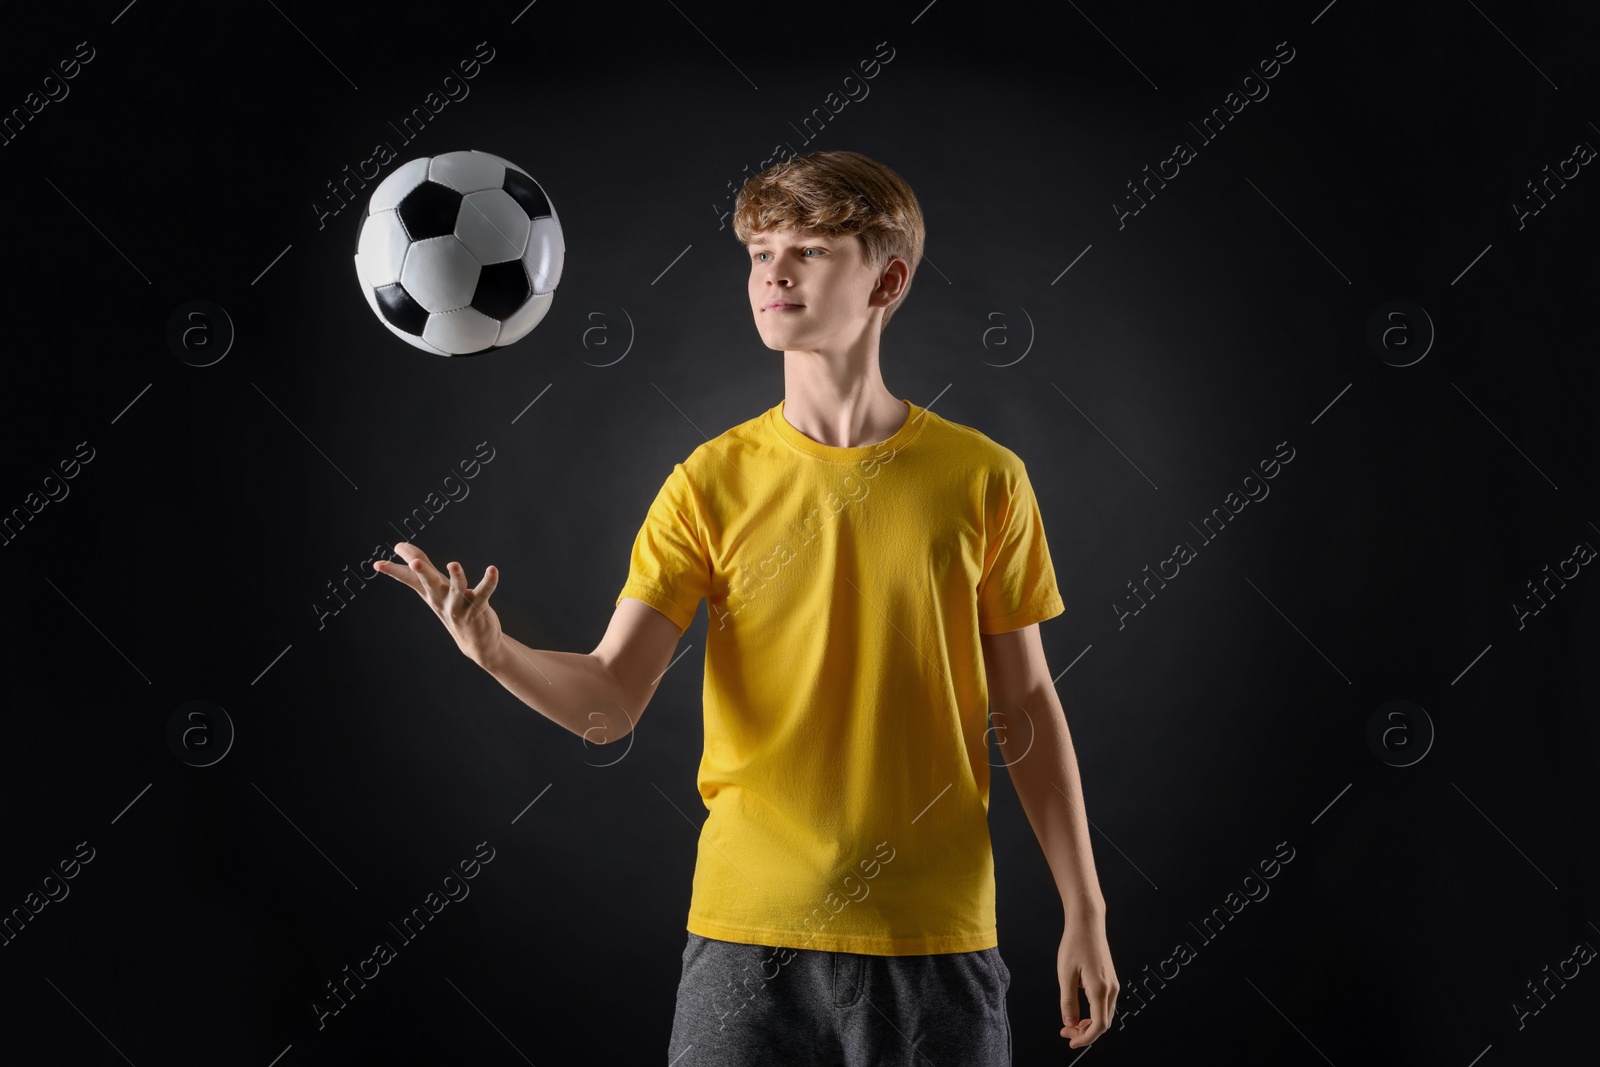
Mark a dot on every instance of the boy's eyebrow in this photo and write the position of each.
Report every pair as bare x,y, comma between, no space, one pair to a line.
767,242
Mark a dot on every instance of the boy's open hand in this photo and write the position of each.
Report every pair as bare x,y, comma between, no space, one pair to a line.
465,612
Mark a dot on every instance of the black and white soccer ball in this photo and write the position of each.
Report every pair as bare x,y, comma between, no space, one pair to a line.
459,254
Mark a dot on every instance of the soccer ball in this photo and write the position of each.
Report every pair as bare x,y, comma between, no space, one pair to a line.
459,254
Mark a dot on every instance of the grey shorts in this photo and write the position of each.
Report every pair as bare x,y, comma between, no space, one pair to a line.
754,1006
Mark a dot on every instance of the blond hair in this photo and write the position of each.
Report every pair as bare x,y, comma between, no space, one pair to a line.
838,194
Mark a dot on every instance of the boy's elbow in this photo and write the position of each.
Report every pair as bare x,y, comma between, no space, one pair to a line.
611,717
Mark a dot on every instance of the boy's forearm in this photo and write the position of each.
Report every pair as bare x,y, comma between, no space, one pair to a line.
1047,783
573,689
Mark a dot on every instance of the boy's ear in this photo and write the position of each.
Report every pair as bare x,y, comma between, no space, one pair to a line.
892,279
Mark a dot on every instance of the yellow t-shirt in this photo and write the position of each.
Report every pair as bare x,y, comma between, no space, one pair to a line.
846,762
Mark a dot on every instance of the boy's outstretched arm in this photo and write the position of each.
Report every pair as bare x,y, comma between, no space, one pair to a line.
1031,732
599,696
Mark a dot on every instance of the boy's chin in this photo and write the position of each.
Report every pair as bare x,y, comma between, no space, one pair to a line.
775,342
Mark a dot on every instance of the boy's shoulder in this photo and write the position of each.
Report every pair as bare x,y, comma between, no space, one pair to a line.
972,444
714,452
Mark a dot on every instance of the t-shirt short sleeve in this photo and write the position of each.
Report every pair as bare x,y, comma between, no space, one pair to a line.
1018,586
669,568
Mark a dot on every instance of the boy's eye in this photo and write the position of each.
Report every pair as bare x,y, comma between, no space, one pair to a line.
808,248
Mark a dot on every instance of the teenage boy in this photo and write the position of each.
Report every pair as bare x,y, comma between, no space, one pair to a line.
875,576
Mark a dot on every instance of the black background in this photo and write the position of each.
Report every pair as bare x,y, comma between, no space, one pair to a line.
193,555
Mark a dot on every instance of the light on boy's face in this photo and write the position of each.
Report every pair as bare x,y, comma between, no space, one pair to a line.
807,287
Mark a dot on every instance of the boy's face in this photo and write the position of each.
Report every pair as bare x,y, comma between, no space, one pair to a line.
830,281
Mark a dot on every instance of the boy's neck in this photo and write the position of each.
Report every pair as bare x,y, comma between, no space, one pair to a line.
842,408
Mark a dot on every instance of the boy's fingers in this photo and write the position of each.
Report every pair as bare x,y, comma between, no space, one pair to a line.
1105,1005
430,583
1069,999
408,552
404,575
418,561
491,578
458,587
1102,1001
434,587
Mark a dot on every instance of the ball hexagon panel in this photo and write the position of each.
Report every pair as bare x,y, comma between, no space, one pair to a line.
439,273
381,249
493,226
415,341
467,172
546,254
393,189
463,331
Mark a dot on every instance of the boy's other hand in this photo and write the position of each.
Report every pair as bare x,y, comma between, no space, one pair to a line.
1084,962
465,612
